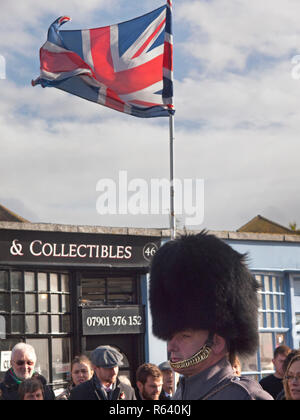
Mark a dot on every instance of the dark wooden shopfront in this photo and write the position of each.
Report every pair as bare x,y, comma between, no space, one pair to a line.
52,277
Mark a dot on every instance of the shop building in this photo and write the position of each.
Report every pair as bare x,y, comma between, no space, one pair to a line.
68,289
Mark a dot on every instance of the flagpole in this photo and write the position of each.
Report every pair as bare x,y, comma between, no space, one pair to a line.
172,191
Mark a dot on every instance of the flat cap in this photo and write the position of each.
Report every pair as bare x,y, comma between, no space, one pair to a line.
164,366
106,357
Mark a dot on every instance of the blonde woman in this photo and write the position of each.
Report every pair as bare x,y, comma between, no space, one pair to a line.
291,381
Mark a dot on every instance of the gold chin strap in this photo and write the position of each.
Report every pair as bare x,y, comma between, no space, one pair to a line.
194,360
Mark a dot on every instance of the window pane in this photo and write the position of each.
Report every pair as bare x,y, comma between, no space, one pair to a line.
66,324
43,324
30,303
60,358
249,364
283,320
4,302
277,320
42,282
259,279
55,303
43,302
268,302
120,285
16,280
17,324
274,284
55,324
266,283
260,301
120,290
17,302
3,280
29,282
280,285
30,324
261,320
266,351
65,301
65,283
269,320
54,282
93,290
41,348
276,302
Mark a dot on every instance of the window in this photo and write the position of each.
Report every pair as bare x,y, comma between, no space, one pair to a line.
35,306
108,291
35,302
272,313
272,321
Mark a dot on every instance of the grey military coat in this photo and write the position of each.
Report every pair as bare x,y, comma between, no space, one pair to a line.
219,383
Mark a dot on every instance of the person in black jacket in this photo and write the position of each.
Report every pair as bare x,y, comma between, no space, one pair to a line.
273,383
23,361
168,381
105,384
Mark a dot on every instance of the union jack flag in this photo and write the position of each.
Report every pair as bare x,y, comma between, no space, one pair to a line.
127,66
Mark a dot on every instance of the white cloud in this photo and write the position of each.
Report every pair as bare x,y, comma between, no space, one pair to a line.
236,130
225,33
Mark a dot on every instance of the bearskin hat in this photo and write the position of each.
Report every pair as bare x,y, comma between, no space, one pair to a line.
200,282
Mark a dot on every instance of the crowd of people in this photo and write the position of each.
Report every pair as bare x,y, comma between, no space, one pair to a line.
204,304
91,379
98,378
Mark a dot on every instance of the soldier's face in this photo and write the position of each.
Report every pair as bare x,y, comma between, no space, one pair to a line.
185,344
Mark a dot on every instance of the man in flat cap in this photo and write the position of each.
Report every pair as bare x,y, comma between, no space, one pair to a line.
204,304
168,381
105,384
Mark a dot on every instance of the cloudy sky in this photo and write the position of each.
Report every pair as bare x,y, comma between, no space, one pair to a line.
237,125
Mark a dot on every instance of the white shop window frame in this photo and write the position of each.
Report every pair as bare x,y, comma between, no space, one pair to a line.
273,318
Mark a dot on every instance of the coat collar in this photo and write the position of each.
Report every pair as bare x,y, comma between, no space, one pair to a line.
197,386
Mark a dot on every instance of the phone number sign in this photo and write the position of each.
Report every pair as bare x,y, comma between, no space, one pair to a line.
117,320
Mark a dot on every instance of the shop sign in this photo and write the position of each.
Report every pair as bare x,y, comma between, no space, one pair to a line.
113,320
5,360
74,249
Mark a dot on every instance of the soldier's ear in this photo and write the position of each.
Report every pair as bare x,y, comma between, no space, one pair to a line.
219,345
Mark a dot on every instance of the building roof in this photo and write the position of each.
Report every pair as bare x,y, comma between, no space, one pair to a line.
163,233
260,224
7,215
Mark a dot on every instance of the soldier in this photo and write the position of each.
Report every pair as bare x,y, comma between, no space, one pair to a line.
204,303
